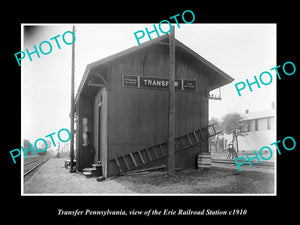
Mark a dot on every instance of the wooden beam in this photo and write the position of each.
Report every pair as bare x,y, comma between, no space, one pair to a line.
119,166
95,85
162,43
189,139
155,153
133,160
144,170
170,164
148,154
126,164
141,157
196,137
72,109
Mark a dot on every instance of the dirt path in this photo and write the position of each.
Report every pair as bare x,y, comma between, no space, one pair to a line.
53,178
217,180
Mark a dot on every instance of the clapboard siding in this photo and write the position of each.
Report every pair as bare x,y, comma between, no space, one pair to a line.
138,118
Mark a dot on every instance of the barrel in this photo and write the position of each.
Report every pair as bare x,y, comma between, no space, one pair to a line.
203,160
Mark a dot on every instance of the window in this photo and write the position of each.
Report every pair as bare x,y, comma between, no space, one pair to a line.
269,123
256,125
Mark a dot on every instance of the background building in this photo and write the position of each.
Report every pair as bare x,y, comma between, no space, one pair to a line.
258,129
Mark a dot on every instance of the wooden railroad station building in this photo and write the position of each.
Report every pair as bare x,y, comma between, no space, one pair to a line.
121,108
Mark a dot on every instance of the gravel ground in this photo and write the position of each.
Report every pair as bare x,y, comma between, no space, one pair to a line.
52,178
217,180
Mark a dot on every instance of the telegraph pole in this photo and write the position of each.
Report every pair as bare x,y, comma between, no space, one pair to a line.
170,169
72,109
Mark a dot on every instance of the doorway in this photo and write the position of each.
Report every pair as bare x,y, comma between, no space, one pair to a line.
100,129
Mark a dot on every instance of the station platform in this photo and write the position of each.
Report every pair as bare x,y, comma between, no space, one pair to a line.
53,178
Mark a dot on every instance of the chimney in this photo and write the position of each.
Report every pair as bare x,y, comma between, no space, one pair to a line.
247,111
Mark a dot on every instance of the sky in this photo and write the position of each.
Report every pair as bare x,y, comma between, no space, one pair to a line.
240,50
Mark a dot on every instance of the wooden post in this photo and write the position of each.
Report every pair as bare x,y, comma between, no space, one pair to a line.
72,109
170,164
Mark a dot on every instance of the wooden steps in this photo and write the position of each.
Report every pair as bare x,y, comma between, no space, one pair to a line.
135,160
94,171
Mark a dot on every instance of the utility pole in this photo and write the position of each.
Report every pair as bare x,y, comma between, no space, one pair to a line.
170,169
72,109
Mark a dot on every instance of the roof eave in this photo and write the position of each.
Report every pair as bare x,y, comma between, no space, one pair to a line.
225,77
112,57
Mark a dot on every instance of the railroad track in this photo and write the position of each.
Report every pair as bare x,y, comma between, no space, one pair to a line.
256,164
32,166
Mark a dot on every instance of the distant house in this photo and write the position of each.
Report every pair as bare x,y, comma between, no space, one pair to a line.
259,129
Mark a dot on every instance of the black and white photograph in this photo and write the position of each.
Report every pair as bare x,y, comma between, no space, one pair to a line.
119,140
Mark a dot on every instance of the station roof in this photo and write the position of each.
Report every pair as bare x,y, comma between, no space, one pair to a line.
217,77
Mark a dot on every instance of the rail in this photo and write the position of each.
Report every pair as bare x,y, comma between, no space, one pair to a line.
33,165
